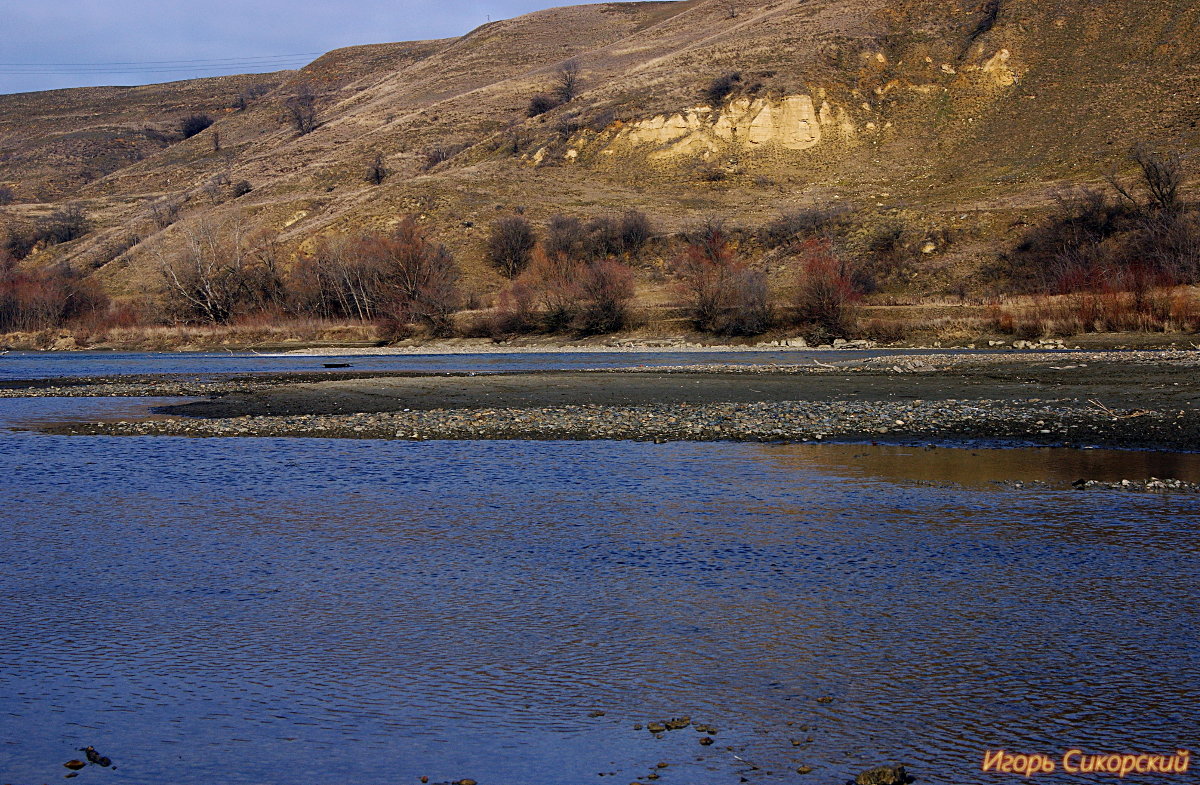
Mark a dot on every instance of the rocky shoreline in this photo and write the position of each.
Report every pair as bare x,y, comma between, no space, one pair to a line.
1126,400
1057,423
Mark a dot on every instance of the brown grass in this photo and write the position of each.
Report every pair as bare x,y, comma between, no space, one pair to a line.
247,334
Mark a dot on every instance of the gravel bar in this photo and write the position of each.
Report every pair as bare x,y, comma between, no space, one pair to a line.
1140,399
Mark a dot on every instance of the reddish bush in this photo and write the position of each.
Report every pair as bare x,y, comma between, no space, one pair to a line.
826,292
723,294
605,291
559,293
420,278
400,278
50,297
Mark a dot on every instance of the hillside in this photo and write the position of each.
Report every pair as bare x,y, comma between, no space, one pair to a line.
53,143
962,120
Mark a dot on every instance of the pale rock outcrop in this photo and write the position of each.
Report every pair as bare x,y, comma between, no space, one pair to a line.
998,69
790,123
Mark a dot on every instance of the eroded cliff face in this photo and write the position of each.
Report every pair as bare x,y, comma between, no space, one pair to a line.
793,123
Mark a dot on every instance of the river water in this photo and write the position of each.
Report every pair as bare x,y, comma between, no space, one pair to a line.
35,365
324,611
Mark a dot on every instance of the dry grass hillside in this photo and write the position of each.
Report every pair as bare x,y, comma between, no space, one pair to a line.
960,119
54,143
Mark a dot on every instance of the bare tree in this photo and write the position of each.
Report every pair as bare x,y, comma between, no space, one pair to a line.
339,280
510,245
1161,176
566,86
301,109
221,267
421,280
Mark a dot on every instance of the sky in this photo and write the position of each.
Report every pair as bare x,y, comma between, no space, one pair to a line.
48,44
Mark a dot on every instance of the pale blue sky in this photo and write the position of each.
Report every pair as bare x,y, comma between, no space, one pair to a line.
49,44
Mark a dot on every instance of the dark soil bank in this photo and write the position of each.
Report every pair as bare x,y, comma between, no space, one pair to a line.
1142,399
1115,385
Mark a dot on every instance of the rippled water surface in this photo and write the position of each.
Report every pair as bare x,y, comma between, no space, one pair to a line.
320,611
36,365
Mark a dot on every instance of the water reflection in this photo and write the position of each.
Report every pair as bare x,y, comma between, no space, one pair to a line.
249,610
977,466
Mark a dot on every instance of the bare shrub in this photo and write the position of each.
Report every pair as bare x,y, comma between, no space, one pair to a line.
49,297
803,224
890,255
552,281
515,312
64,225
301,110
1073,245
540,104
559,293
194,124
240,188
825,294
220,270
635,231
600,238
399,279
721,87
1147,238
568,126
442,153
165,211
605,292
565,236
376,170
7,196
603,238
510,245
723,294
1170,241
250,94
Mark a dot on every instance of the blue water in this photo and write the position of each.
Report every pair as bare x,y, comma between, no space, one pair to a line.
323,611
38,365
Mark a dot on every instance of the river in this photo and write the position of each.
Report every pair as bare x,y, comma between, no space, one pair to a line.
323,611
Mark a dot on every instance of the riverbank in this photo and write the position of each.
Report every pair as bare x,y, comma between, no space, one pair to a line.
316,338
1131,400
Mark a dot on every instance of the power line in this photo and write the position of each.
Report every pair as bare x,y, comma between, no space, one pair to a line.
242,59
205,69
